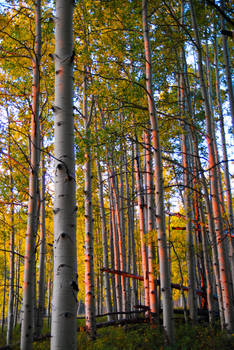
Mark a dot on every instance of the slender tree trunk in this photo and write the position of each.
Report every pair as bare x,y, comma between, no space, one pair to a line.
64,302
112,257
209,287
187,170
122,218
17,295
49,302
11,296
165,284
132,238
4,290
104,242
129,229
29,261
141,205
41,280
89,264
151,227
116,254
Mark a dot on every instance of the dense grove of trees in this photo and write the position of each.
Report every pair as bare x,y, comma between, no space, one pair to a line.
116,126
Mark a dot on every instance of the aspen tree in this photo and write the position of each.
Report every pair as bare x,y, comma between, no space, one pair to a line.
29,261
11,296
90,317
64,300
42,253
104,241
187,172
115,248
142,225
150,226
165,285
4,290
224,272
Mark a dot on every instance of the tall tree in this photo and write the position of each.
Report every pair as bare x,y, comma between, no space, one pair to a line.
10,318
42,253
89,263
165,284
64,304
29,261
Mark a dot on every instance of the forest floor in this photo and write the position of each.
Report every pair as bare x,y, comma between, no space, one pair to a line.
144,337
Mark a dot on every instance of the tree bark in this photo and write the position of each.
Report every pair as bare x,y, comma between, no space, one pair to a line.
89,264
64,301
187,172
11,296
141,205
104,242
151,227
42,253
29,261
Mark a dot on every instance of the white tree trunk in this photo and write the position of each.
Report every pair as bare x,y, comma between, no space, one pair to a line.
64,301
104,242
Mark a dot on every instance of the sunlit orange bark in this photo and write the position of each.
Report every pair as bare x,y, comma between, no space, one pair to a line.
90,320
29,261
151,226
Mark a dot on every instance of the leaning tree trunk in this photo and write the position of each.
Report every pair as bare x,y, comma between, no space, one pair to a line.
64,301
29,261
165,284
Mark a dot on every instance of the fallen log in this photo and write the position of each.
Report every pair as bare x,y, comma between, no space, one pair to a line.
114,313
141,278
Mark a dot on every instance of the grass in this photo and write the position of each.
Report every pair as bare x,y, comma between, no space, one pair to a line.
143,337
